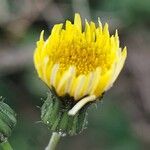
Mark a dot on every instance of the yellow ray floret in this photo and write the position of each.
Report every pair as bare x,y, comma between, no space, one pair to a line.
78,61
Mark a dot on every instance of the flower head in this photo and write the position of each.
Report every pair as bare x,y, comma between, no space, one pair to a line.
79,62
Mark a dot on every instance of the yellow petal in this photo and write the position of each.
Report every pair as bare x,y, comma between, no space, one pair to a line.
77,22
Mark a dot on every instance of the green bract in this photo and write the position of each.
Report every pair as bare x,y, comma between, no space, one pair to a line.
54,113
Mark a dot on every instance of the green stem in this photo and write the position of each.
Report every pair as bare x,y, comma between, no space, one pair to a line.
53,141
5,146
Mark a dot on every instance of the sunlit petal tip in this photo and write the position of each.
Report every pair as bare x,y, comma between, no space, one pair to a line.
106,26
42,35
86,22
116,33
124,52
77,18
99,22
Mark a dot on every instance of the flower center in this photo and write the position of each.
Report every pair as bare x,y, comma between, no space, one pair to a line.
85,57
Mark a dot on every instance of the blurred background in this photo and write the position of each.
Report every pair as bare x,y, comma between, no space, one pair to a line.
122,120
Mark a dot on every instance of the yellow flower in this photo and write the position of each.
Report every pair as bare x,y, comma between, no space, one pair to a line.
79,62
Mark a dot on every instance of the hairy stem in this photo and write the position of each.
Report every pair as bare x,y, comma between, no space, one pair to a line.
53,141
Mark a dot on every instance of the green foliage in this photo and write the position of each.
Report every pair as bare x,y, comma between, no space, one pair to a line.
7,121
111,128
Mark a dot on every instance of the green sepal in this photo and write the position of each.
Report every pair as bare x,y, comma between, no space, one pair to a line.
54,114
7,121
